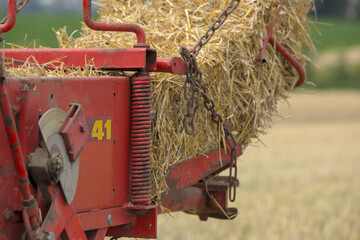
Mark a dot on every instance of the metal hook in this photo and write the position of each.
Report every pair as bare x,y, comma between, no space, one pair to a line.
280,48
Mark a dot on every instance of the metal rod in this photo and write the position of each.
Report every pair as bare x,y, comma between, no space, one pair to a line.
279,47
270,32
11,17
174,65
290,58
118,27
17,155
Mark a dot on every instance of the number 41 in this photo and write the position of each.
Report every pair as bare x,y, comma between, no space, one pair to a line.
97,131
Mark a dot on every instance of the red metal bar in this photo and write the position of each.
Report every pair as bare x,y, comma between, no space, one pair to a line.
60,217
291,59
118,27
270,32
279,47
29,202
99,234
190,172
109,59
174,65
130,59
11,17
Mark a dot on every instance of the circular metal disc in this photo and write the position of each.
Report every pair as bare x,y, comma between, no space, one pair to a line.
50,124
70,173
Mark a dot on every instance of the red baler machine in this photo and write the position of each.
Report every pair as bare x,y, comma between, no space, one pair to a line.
75,151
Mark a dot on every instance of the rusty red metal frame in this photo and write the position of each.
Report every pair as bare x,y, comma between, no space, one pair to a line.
279,47
11,17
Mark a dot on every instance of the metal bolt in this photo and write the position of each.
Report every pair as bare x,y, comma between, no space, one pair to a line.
49,236
8,215
55,166
108,219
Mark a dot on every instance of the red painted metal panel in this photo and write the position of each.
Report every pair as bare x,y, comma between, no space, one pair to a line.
101,218
104,165
144,225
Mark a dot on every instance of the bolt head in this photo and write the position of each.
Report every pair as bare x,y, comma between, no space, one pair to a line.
8,215
49,236
108,219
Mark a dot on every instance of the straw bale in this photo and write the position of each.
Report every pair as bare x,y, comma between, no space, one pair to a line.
244,90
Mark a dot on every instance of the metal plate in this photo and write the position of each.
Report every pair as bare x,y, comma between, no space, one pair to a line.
49,125
51,122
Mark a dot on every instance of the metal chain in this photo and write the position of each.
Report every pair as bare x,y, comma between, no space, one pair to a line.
215,26
19,6
194,89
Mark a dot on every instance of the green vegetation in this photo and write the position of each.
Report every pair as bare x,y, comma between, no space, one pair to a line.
337,38
335,34
341,76
31,27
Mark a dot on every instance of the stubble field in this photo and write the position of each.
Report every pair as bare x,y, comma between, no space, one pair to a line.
304,184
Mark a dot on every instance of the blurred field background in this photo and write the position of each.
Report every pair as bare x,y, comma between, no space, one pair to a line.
303,180
304,184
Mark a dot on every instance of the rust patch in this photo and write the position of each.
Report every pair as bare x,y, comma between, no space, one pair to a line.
14,146
6,170
8,120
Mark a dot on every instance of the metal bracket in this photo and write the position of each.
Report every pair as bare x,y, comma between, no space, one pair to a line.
74,131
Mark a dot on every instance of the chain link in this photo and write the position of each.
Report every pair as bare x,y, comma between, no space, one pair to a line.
194,89
19,6
215,26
